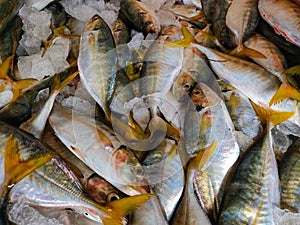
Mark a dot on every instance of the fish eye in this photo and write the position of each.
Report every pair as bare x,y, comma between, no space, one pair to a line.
148,23
112,196
142,14
187,86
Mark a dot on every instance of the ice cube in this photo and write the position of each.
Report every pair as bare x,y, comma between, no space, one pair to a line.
285,217
167,18
80,12
154,4
109,16
39,4
5,98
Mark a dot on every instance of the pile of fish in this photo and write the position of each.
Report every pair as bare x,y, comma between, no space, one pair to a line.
150,112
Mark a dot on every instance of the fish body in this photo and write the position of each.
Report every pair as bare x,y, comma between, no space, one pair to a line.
164,169
8,10
240,73
222,32
215,124
289,179
246,123
274,62
241,19
139,16
10,38
284,17
97,62
163,62
97,147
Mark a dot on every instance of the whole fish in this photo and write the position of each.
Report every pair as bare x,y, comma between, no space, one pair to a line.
165,173
246,123
8,10
98,148
97,62
241,19
162,62
240,73
54,185
139,16
254,189
284,17
289,179
20,154
215,124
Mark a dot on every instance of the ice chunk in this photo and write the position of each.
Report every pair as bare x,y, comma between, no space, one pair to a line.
80,12
36,25
154,4
5,98
285,217
281,142
98,5
54,61
39,4
109,16
289,128
167,18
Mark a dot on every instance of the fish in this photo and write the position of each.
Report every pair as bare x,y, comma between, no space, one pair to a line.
215,124
121,32
247,13
98,148
21,110
231,69
162,62
189,209
208,8
55,186
248,127
97,62
139,16
254,188
8,11
20,154
284,17
165,173
221,31
36,124
289,179
10,38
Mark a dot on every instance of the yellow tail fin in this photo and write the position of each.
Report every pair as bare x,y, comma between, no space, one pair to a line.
120,208
188,38
15,168
5,66
285,91
295,70
268,115
242,51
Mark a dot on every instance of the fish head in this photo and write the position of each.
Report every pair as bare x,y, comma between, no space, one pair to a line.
150,23
183,85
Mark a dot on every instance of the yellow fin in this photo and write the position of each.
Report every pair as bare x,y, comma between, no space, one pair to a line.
120,208
242,51
57,86
295,70
24,83
285,91
203,156
15,168
136,129
268,115
5,67
188,38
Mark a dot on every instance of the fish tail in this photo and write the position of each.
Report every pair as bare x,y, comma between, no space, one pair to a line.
118,209
285,91
5,66
271,116
57,85
292,71
242,51
15,168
